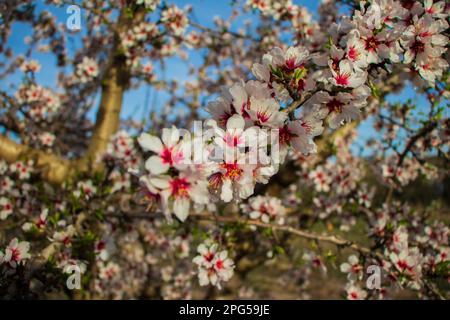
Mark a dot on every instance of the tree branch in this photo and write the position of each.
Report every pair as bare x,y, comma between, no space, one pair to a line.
298,232
422,133
340,242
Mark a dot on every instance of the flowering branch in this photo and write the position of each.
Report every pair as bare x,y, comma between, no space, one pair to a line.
338,241
421,133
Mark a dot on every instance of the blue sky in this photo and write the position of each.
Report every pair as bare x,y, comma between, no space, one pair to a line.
205,11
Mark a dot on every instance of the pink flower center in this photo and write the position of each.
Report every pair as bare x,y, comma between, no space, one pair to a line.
15,255
372,44
402,264
262,116
342,79
335,63
244,109
166,156
232,140
353,54
285,135
179,187
290,63
418,47
335,105
40,223
209,256
233,171
219,264
100,246
356,268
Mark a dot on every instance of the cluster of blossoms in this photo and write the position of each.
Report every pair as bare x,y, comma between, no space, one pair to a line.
242,117
149,4
172,183
335,186
214,266
134,40
148,72
175,20
408,172
355,272
423,40
123,260
22,169
282,9
411,251
122,149
15,188
39,102
267,209
405,260
86,70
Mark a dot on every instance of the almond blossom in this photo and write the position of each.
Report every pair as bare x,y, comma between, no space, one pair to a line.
47,139
353,268
214,266
39,223
355,292
30,66
175,19
6,208
171,151
23,169
149,4
265,208
15,253
86,70
177,193
279,64
345,76
302,132
409,264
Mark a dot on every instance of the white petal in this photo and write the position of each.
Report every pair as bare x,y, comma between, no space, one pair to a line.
227,192
261,72
181,208
170,136
353,259
161,182
149,142
155,165
236,122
